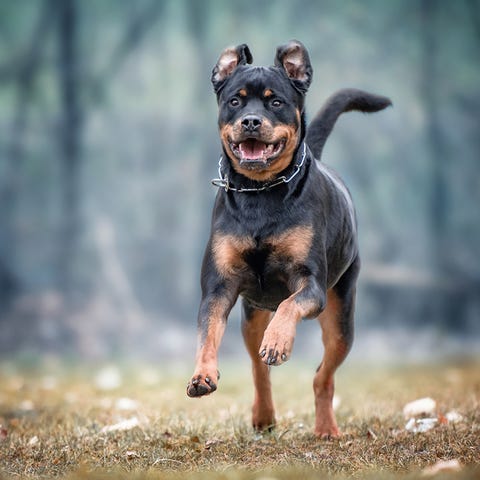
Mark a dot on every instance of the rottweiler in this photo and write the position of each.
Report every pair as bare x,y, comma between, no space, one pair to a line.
283,231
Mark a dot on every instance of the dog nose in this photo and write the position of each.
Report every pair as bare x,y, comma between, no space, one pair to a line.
251,123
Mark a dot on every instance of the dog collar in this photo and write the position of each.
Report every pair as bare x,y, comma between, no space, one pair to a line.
223,182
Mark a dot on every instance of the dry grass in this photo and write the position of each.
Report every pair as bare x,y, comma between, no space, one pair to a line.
53,421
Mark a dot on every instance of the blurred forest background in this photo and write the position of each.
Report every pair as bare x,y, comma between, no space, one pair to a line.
108,143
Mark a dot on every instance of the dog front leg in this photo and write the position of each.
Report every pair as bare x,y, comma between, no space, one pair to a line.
307,302
212,319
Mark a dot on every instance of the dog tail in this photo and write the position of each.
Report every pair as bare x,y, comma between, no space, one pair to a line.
344,100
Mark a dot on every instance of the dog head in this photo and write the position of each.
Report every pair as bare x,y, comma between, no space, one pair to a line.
261,109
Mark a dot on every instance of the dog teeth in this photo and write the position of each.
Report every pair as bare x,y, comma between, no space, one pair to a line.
269,149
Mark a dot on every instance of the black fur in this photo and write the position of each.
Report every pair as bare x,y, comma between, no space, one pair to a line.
344,100
285,248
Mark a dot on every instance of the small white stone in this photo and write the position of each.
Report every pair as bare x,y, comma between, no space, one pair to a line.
453,416
420,425
422,406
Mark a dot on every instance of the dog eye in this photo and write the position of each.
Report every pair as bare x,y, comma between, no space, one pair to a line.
234,102
276,103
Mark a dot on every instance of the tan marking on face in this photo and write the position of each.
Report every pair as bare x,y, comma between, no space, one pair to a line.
294,243
228,133
243,92
290,134
228,253
267,134
298,114
267,93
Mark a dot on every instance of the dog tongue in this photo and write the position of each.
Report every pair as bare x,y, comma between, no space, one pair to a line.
252,149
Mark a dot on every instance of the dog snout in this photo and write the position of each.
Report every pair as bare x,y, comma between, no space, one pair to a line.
251,123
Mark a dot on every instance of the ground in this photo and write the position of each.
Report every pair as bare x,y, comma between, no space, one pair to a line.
86,421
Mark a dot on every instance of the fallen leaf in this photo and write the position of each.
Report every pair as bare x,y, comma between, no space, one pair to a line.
442,419
442,466
422,406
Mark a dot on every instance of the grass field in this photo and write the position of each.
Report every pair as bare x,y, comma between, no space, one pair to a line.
59,421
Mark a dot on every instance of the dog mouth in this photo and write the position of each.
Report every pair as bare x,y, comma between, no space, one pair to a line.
255,153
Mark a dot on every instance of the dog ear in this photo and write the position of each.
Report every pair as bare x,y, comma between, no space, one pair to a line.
294,60
228,61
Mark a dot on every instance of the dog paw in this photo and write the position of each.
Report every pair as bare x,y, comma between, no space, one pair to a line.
326,427
201,385
328,433
263,421
277,345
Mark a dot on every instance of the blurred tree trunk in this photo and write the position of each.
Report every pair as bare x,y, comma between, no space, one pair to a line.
69,143
23,71
72,121
438,201
447,305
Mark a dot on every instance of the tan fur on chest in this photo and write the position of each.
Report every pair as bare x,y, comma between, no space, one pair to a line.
291,246
294,243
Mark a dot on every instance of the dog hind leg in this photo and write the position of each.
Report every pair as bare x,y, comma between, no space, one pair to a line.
254,323
337,335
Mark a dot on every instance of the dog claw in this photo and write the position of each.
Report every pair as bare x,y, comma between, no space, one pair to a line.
263,352
272,358
198,387
284,357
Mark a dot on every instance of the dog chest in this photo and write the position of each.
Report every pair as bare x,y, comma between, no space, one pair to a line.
256,261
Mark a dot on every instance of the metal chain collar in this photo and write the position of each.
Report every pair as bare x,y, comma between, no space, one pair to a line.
223,182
